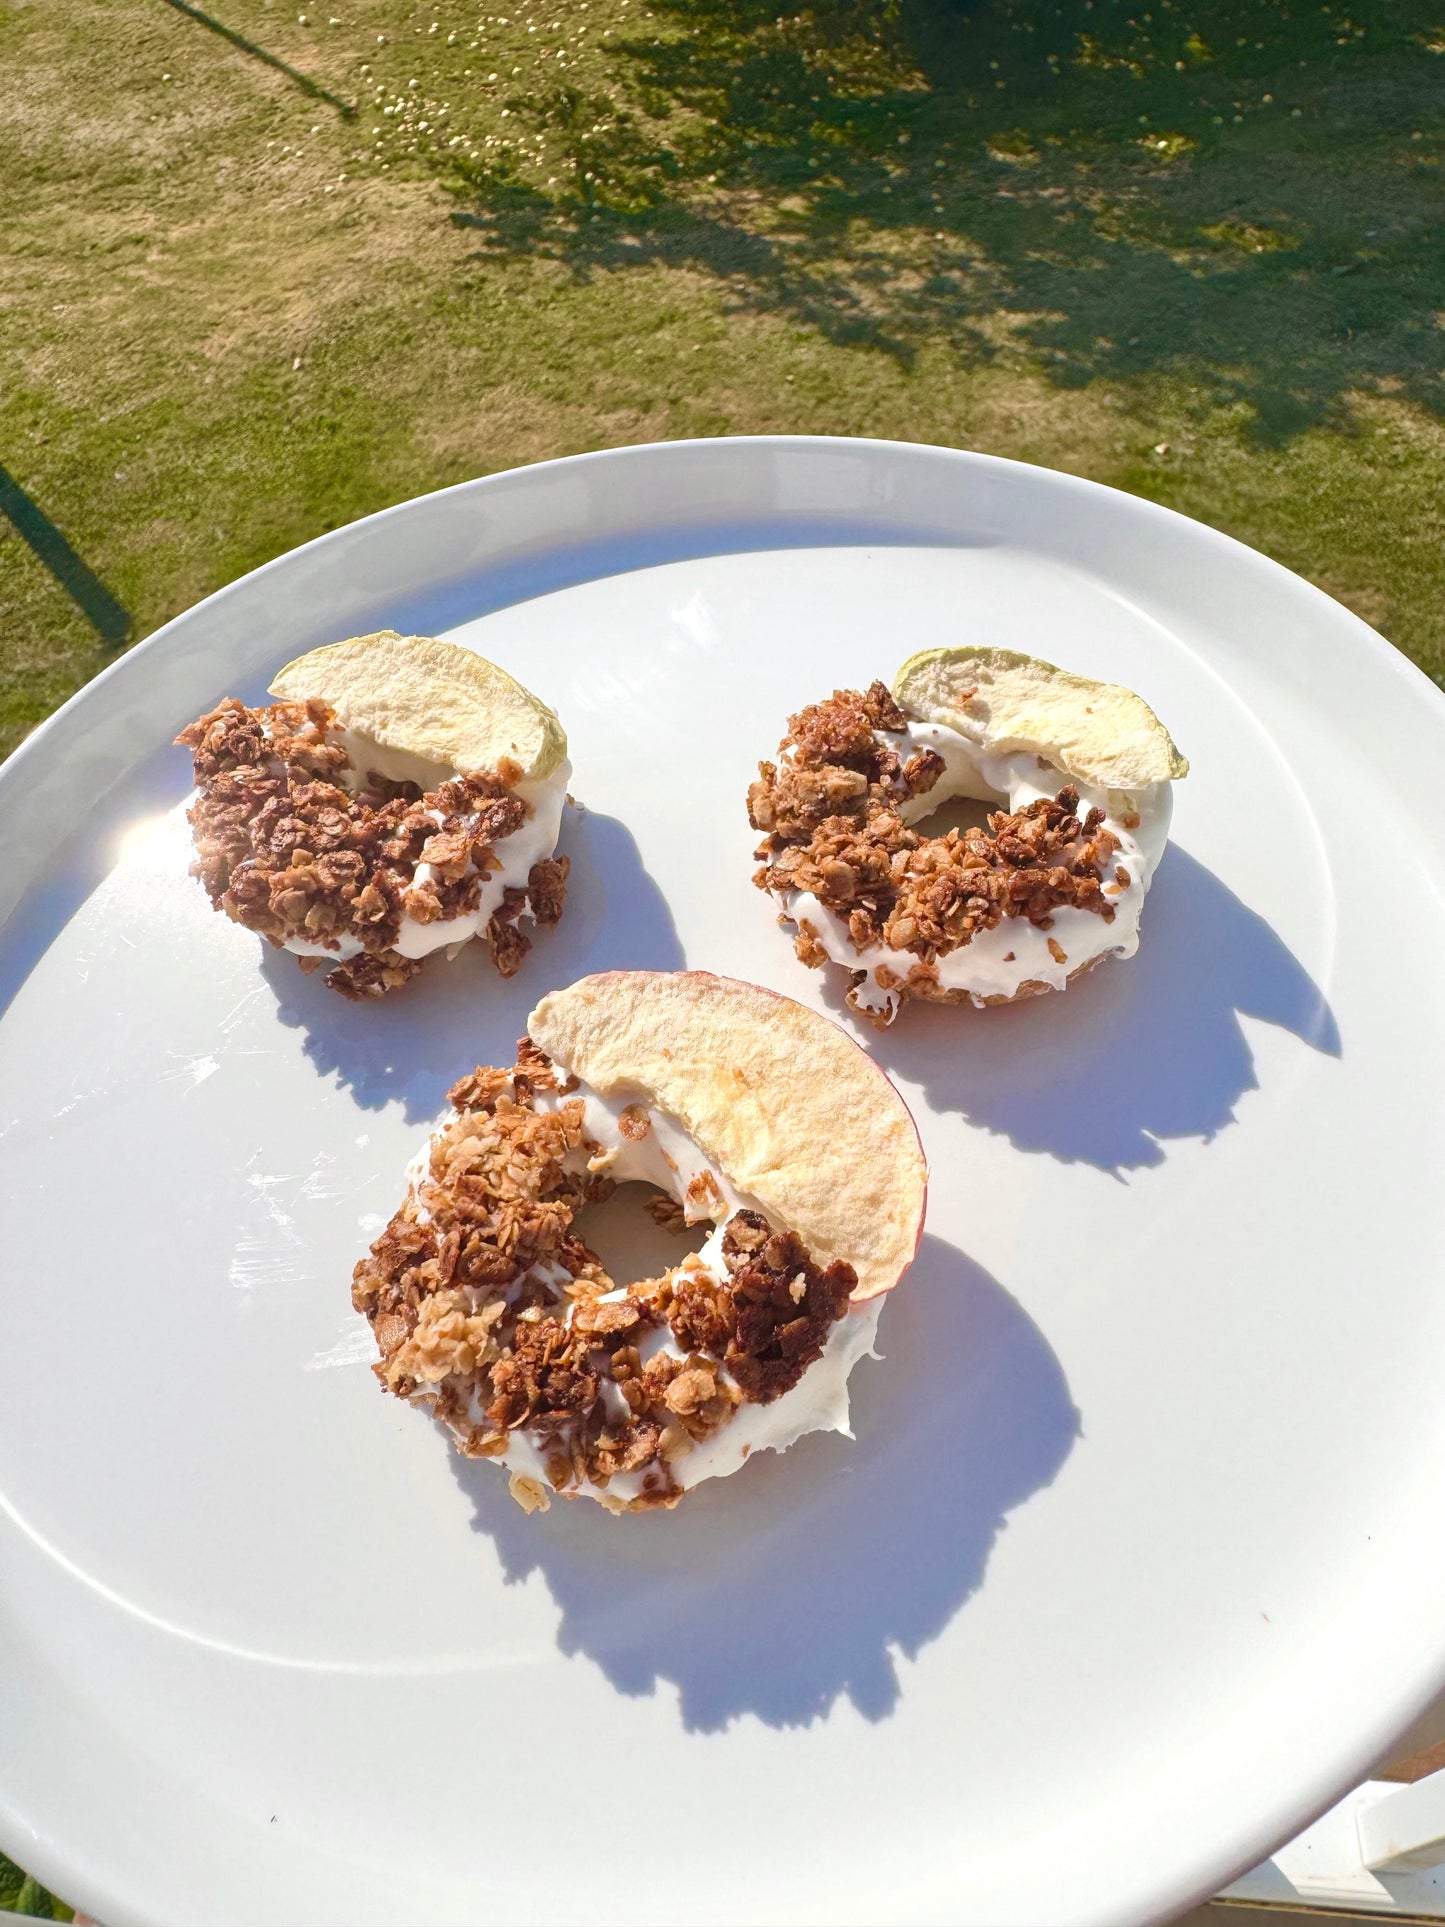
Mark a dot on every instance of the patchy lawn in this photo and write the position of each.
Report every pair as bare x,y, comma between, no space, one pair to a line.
1195,250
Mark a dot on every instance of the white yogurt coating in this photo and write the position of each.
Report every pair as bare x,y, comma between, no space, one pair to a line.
533,840
996,962
668,1159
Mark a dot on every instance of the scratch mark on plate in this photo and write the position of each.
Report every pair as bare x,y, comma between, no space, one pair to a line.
272,1255
354,1347
234,1012
196,1069
317,1188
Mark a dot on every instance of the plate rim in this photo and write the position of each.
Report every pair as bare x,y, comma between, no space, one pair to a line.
1386,654
1416,1686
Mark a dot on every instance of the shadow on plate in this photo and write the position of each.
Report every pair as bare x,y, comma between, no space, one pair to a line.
798,1580
413,1045
1135,1052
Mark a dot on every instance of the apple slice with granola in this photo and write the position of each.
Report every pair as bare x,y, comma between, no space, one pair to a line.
1077,777
747,1113
401,796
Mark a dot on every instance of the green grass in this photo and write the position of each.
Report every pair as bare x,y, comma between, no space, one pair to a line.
21,1895
1193,250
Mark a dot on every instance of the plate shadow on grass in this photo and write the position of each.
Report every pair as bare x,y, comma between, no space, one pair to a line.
1136,1052
412,1046
796,1582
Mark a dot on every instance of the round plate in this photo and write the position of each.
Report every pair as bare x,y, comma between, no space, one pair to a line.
1135,1561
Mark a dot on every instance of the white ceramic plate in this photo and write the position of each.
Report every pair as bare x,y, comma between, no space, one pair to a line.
1136,1560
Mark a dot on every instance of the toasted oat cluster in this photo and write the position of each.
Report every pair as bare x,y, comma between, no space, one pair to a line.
285,846
830,813
487,1307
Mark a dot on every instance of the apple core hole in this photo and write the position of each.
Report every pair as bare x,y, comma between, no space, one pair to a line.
959,813
628,1239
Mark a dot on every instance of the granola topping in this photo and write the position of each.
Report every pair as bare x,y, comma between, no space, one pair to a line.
490,1312
350,865
1051,883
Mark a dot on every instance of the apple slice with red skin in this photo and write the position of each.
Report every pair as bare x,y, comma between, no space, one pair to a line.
782,1100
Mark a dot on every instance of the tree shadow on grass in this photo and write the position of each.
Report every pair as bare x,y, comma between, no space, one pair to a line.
797,1582
1236,195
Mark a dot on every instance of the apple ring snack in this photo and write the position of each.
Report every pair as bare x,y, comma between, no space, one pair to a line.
747,1113
1079,774
402,796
